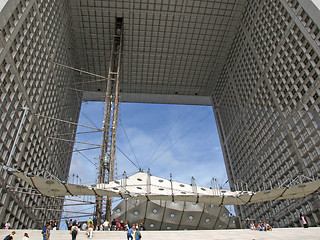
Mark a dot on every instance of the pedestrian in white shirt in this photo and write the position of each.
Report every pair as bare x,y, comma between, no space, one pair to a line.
25,236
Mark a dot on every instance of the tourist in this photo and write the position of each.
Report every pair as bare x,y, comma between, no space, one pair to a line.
141,227
46,232
54,226
304,221
105,225
10,236
95,222
74,223
7,226
259,228
137,235
130,232
113,225
84,226
268,227
89,222
90,230
74,232
262,227
126,227
70,225
25,236
252,226
122,225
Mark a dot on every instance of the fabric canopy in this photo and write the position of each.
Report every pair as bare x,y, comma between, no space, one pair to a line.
144,186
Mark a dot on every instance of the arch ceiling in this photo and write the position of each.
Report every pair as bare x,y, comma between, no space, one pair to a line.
173,49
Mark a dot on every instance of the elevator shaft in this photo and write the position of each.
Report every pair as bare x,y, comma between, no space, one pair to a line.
109,132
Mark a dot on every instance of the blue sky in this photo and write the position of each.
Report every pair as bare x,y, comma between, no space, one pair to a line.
178,139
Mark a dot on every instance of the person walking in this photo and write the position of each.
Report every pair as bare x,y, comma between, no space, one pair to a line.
45,231
137,235
48,231
129,233
89,221
74,232
10,236
25,236
90,230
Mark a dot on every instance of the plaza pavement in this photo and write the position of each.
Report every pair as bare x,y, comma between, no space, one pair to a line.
239,234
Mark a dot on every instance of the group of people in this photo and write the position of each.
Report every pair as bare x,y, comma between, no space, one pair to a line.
117,225
264,226
7,226
46,231
10,236
135,232
261,226
74,228
92,225
51,225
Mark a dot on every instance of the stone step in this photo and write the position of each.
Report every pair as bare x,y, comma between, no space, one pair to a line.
239,234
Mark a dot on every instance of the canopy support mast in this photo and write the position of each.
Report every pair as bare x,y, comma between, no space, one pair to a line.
109,132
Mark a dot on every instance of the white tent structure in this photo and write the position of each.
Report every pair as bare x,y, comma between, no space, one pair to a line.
146,187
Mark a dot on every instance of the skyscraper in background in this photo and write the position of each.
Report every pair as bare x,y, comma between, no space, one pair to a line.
256,62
